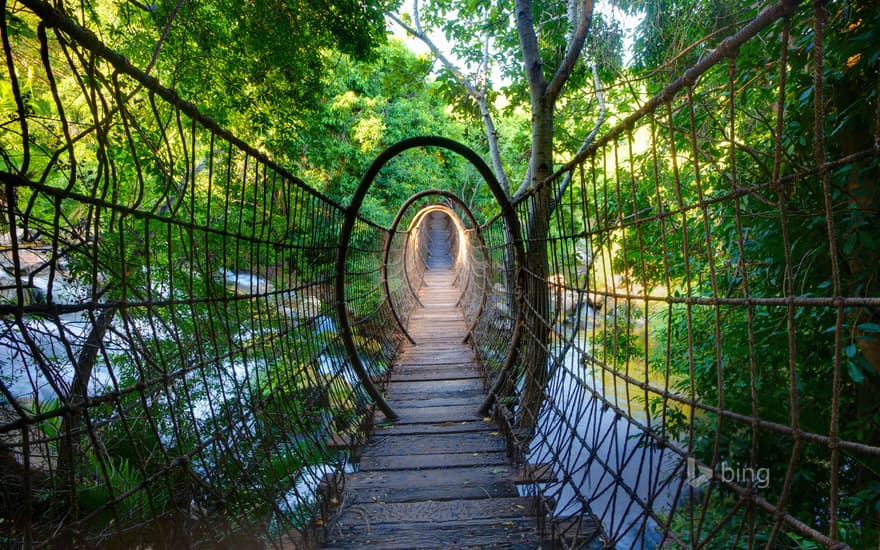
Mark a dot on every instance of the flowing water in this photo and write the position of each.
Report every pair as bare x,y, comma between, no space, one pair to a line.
610,462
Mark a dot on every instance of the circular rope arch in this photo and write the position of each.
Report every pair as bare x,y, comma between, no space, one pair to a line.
415,221
508,214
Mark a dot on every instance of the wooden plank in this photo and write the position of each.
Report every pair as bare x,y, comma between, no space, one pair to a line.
430,327
417,362
437,414
417,374
446,460
433,315
459,353
452,336
461,426
535,473
437,313
425,386
389,443
473,393
428,322
511,533
433,399
465,371
431,511
466,366
438,331
403,400
464,361
476,482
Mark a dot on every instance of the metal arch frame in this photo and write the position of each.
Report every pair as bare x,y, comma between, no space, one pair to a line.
508,214
418,219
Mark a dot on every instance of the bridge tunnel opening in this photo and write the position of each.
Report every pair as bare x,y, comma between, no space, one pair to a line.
403,267
442,241
437,240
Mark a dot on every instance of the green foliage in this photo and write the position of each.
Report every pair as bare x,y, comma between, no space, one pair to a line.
734,248
257,59
618,338
673,35
368,107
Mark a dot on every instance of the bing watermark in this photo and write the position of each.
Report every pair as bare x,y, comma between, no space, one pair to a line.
746,476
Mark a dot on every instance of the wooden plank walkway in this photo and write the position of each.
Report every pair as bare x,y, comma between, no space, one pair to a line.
440,476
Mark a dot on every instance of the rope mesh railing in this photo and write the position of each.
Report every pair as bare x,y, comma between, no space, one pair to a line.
701,373
171,372
712,317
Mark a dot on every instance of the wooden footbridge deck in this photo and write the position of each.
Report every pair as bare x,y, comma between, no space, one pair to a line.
439,477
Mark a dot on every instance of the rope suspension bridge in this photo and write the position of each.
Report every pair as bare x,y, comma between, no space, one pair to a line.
200,350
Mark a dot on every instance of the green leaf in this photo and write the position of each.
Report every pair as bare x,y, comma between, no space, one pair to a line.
867,240
805,95
850,244
869,327
855,372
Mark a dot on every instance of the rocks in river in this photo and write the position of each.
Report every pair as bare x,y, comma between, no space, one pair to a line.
30,268
304,307
29,263
40,457
244,283
568,304
299,305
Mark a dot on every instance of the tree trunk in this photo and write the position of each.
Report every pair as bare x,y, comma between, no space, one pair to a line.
68,446
536,317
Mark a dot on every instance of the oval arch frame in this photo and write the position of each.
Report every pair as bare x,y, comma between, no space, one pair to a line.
508,214
393,228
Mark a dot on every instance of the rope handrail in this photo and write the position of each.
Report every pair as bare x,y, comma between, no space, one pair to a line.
692,313
55,18
194,342
171,368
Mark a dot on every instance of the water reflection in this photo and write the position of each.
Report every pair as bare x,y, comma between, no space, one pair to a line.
592,430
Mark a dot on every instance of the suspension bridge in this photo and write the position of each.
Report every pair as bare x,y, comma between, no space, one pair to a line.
201,350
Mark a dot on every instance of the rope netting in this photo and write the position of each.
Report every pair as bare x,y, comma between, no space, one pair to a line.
710,333
684,355
171,370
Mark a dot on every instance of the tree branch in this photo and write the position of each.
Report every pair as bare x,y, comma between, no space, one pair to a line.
165,32
603,114
528,41
581,27
478,94
524,184
483,69
141,6
417,32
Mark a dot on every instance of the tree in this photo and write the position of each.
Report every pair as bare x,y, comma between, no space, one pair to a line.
548,41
